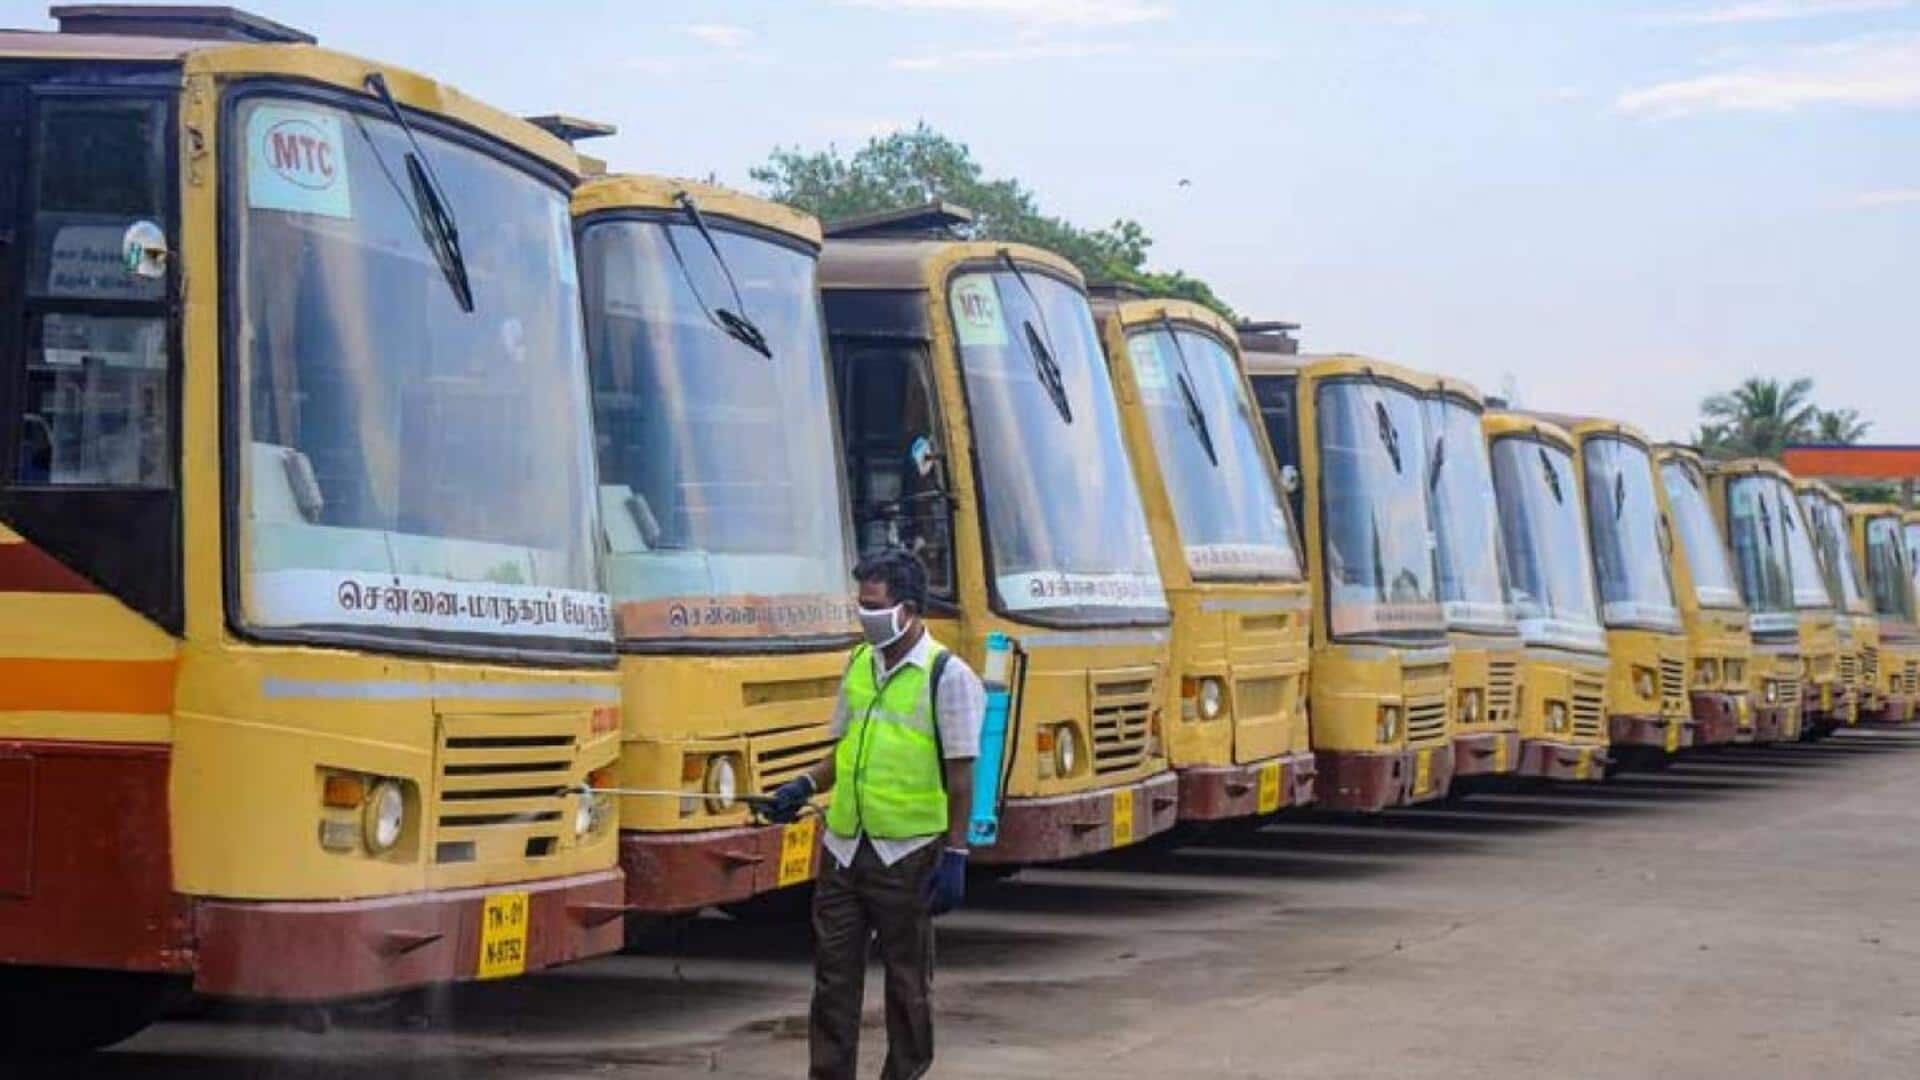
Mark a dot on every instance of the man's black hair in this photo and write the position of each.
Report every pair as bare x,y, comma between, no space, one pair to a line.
899,571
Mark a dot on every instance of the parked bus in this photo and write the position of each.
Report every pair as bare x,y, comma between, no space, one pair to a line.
727,541
307,671
1349,432
1648,706
1237,736
1487,648
980,431
1793,617
1710,603
1858,630
1549,570
1877,536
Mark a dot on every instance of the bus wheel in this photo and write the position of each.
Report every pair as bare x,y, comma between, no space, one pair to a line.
53,1012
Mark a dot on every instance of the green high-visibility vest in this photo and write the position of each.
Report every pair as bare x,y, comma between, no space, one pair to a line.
887,770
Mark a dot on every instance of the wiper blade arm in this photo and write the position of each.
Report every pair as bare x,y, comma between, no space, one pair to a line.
1040,343
737,324
1196,416
431,210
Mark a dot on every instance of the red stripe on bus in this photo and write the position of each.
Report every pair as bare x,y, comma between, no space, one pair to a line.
25,568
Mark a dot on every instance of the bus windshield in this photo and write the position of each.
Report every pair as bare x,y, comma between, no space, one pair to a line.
1065,526
1887,568
1829,521
720,490
1911,531
1225,496
1809,583
1466,520
1713,581
1756,527
407,469
1544,543
1373,488
1623,522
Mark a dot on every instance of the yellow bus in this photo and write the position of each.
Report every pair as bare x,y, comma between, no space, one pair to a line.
1648,709
1349,434
727,541
1710,603
1876,531
1793,617
981,432
1549,569
306,671
1487,648
1237,736
1858,630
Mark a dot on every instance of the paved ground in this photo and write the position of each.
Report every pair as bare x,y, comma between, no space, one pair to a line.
1744,913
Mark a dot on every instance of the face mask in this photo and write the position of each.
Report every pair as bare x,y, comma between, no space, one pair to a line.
884,626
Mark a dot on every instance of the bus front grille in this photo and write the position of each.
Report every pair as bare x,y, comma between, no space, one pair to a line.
1673,686
1589,708
1849,670
1789,691
1910,677
502,786
1869,665
1122,715
1503,681
780,757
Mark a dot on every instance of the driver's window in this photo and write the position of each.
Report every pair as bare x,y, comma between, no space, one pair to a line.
897,471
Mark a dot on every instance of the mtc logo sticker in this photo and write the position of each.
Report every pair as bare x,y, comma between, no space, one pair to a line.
976,311
297,161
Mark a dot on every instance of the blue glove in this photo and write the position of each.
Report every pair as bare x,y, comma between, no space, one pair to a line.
948,884
788,800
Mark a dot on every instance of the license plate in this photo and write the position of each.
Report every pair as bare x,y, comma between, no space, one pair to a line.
1500,753
1583,768
1269,787
503,936
796,852
1422,771
1744,710
1673,736
1123,816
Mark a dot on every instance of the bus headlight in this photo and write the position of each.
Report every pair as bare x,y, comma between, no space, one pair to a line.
1771,691
1210,699
1643,682
1470,706
384,817
1066,750
1556,716
1389,723
721,783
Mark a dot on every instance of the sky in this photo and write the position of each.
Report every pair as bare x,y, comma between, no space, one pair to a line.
1614,208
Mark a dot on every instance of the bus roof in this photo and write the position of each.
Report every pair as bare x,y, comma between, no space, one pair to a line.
1335,365
1148,310
1874,510
629,191
1503,423
1751,467
1680,452
920,263
1582,426
1806,485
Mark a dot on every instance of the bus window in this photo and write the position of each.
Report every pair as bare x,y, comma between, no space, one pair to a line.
897,476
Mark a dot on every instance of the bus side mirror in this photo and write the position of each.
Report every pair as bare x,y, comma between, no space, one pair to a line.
1290,478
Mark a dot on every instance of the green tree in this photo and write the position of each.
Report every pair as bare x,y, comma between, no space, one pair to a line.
1839,426
908,168
1758,418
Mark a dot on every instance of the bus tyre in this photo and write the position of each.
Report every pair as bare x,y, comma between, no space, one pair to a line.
55,1012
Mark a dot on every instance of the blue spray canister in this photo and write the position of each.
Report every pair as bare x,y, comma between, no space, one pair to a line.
983,828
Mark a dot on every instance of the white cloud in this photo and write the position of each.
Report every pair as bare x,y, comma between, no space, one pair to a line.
718,35
1773,11
1013,54
1880,71
1033,14
1889,197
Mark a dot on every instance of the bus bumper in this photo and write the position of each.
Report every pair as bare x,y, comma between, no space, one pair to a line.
327,950
1216,793
1488,753
1716,717
1369,780
1771,722
1562,761
1053,828
1892,709
671,873
1655,732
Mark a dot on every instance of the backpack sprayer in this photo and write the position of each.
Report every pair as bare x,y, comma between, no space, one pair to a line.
983,826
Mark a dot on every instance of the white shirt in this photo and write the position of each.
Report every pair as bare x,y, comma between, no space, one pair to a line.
961,707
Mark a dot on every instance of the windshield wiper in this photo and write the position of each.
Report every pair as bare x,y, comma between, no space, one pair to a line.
1553,477
1439,459
1196,417
431,211
735,323
1040,344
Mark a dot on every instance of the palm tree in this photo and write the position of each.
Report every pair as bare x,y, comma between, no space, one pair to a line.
1842,427
1758,418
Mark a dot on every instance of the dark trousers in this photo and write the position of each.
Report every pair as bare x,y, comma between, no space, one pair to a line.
851,906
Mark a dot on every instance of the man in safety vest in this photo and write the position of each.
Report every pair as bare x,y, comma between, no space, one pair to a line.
908,725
